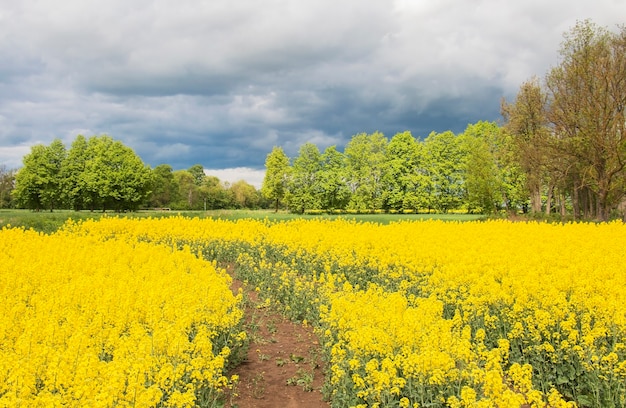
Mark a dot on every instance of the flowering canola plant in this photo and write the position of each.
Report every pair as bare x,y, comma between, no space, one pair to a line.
92,320
431,313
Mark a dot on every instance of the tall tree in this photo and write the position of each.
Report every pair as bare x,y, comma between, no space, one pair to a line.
244,195
365,158
7,184
38,182
28,181
163,186
197,171
216,194
277,170
303,191
51,194
115,177
73,183
334,192
444,161
420,183
587,98
527,122
188,192
492,179
401,176
482,182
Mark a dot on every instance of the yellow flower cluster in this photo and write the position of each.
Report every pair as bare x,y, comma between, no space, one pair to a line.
429,313
88,319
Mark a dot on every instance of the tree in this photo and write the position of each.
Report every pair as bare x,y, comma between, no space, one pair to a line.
115,177
303,191
420,184
51,194
277,172
197,171
527,122
444,158
38,182
163,186
401,176
244,195
188,191
7,184
489,181
216,194
587,94
333,190
365,157
73,184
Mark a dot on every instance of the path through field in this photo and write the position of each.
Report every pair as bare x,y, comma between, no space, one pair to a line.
284,363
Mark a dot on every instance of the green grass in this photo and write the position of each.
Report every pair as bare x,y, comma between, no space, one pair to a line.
48,222
379,218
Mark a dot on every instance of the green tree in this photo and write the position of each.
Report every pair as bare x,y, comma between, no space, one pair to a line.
188,191
277,170
115,177
419,182
515,193
527,122
444,164
38,182
485,167
401,176
365,158
197,171
51,195
304,192
163,186
7,184
244,195
587,95
333,190
217,194
28,180
73,186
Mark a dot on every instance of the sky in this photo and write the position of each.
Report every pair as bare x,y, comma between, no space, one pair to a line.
221,82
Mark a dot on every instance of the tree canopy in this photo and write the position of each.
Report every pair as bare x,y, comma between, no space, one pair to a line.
100,173
469,172
277,171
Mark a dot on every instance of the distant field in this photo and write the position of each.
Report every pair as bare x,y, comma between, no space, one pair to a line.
46,221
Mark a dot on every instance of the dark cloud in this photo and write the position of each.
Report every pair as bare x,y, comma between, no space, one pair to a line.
221,82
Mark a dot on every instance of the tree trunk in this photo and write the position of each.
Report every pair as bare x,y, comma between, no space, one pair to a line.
535,198
575,202
549,200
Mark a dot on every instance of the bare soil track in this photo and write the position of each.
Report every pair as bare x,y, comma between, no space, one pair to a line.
283,367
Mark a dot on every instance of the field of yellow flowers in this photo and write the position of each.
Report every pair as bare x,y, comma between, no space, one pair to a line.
96,321
411,314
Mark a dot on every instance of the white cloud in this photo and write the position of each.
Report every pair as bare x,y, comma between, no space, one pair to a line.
250,176
11,156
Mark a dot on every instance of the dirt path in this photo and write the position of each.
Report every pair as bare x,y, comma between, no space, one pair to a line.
284,365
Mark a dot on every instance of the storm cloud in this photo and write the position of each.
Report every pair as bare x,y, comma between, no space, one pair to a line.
221,82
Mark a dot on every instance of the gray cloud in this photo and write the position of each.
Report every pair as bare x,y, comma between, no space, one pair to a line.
221,82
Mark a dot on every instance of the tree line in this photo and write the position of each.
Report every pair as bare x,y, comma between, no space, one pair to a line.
473,172
570,130
561,148
100,173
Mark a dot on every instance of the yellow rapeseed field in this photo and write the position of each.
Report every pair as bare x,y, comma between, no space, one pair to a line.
96,321
411,314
